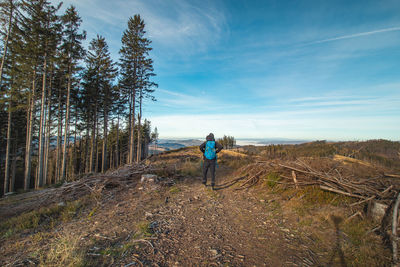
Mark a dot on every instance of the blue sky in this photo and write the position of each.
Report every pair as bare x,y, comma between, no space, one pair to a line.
265,69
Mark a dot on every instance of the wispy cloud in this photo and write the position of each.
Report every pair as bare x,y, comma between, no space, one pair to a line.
178,27
355,35
198,102
367,101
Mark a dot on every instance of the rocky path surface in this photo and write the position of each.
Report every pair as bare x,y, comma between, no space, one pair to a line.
199,226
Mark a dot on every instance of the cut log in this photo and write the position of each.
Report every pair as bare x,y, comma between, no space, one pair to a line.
377,210
295,179
340,192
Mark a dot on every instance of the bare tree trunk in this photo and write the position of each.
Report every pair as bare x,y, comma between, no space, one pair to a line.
80,162
111,156
7,170
87,160
104,158
93,140
6,41
39,182
14,165
28,152
117,144
59,136
66,129
132,133
96,146
139,139
48,133
7,167
74,156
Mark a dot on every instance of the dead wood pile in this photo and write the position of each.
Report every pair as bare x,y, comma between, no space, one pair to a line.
101,186
351,179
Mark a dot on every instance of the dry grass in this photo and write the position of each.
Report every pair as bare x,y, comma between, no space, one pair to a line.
351,160
46,218
65,251
190,168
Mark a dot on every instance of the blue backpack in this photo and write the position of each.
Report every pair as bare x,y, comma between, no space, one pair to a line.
210,150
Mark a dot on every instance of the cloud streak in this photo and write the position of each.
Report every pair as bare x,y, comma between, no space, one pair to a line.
355,35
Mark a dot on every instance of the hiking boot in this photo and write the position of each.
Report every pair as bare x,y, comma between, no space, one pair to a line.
213,186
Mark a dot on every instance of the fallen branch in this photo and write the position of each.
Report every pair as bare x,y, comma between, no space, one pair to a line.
386,190
358,213
392,175
295,169
340,192
362,201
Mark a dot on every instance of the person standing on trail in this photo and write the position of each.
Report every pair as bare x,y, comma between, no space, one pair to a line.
210,148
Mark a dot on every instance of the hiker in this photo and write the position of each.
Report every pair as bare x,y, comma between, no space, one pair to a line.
210,148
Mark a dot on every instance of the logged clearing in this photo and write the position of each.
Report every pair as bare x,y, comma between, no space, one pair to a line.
256,217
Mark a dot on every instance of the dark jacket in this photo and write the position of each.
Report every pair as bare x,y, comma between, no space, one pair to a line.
218,146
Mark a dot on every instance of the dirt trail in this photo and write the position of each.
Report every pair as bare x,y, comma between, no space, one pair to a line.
201,226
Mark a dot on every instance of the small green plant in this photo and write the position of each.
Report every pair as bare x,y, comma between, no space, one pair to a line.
144,228
174,189
92,212
272,179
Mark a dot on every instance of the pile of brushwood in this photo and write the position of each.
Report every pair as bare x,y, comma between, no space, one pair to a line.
361,180
104,185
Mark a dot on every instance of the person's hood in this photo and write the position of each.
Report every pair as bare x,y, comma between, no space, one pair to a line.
210,137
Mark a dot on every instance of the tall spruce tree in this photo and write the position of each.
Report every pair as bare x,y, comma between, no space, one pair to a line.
7,8
72,52
100,92
7,21
31,55
134,61
145,90
50,39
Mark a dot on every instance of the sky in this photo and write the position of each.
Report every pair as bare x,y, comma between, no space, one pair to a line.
296,69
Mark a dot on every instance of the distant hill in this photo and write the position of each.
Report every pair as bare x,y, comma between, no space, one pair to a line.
171,144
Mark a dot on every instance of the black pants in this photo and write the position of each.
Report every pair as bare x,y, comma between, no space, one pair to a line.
209,164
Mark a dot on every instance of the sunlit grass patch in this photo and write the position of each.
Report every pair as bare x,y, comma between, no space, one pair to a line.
144,229
190,168
46,217
65,251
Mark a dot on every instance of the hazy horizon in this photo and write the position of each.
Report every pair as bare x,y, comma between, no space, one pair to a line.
269,139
